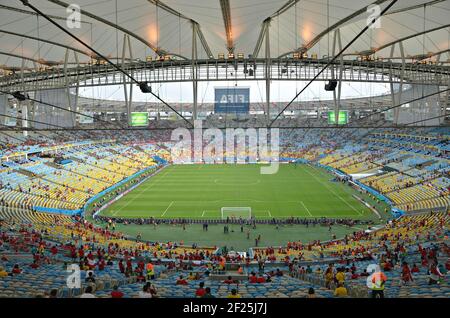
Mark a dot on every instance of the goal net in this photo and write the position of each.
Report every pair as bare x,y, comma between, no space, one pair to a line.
236,212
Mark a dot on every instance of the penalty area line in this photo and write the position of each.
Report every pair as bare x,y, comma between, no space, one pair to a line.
306,208
164,213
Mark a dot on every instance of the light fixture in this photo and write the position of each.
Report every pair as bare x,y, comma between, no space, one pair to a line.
145,88
19,96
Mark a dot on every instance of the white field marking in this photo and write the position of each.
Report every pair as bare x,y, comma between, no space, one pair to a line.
146,213
307,210
250,200
140,193
210,211
261,212
323,173
332,191
164,213
231,200
216,181
240,200
307,217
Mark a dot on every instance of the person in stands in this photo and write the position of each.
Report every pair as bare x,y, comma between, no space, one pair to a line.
3,273
90,278
88,293
208,293
116,293
53,293
311,293
340,276
152,289
234,294
229,281
181,281
253,279
261,279
340,291
16,270
145,293
34,265
435,274
200,292
406,273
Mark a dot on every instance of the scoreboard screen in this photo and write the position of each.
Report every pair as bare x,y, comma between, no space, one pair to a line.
139,119
342,118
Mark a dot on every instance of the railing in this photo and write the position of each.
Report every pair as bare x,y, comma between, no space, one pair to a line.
235,70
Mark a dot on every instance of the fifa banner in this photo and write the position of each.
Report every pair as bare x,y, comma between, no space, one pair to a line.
231,99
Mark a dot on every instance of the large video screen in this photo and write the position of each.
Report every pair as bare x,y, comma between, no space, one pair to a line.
139,119
342,118
231,99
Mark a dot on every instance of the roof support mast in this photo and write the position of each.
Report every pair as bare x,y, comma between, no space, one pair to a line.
226,13
268,73
337,47
194,70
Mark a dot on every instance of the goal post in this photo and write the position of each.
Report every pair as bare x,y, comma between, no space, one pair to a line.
236,212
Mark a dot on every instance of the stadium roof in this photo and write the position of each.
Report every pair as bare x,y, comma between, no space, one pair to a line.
220,26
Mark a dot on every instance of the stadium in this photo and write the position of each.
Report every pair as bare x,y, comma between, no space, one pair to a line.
224,149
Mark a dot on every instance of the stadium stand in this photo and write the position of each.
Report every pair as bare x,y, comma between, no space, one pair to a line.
41,244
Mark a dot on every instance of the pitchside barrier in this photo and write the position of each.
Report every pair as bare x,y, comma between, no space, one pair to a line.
319,221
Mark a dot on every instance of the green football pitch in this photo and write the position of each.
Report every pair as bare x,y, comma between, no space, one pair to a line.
200,191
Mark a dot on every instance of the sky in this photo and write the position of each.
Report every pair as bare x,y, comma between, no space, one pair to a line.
281,91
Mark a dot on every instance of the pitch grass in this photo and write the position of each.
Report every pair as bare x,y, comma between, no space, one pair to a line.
200,191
